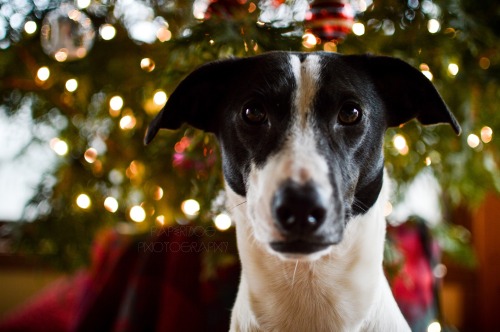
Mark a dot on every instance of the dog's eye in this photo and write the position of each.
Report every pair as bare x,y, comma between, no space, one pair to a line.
349,114
254,115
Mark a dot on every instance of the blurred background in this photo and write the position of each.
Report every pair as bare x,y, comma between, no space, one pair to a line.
81,80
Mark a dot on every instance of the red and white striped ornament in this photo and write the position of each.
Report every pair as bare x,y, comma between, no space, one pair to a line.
330,19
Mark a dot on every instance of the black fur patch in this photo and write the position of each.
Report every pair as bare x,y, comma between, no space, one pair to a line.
387,91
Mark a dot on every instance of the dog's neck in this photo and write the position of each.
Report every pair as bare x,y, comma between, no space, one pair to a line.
347,284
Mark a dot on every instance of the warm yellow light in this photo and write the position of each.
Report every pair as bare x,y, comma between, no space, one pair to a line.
43,74
160,219
400,144
116,103
160,98
190,207
61,55
428,74
137,213
309,40
486,134
90,155
358,29
473,141
107,31
81,52
424,68
127,122
222,222
453,69
434,327
330,47
163,34
158,193
433,25
59,146
83,201
75,15
147,64
71,85
82,4
30,27
428,161
135,169
111,204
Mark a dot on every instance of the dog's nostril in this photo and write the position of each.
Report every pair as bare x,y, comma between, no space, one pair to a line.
285,215
316,216
298,208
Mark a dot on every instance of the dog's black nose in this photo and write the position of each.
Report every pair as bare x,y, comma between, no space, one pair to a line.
297,208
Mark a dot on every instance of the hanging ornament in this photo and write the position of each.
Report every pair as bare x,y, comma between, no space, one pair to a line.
330,19
67,33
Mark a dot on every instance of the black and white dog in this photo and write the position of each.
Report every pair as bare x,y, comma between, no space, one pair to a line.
301,136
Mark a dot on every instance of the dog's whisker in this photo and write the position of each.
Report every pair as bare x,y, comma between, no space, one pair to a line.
294,272
234,207
360,205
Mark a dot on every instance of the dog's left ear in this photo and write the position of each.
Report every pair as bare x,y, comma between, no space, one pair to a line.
196,100
406,92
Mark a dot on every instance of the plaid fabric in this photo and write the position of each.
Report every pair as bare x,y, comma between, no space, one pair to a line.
148,284
415,287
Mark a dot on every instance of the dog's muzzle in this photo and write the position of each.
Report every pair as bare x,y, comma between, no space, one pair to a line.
300,215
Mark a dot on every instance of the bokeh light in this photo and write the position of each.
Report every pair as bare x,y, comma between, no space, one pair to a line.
71,85
473,141
111,204
116,103
400,144
486,134
30,27
190,207
358,29
433,25
59,146
160,98
83,201
137,213
107,31
43,73
222,222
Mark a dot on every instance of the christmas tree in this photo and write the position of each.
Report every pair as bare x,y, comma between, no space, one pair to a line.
92,75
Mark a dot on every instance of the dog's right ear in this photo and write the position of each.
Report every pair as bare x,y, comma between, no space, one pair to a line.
406,92
196,100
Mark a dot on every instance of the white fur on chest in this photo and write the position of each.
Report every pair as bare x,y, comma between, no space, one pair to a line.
344,290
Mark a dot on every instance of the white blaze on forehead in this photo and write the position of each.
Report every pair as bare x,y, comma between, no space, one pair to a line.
298,160
301,159
307,75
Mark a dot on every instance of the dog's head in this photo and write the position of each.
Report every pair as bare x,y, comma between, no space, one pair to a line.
301,135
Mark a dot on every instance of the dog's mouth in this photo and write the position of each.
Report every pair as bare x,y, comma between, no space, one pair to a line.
299,247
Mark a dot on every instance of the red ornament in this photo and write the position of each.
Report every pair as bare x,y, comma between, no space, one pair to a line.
330,19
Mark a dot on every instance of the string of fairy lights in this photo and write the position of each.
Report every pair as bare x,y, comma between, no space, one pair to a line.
127,120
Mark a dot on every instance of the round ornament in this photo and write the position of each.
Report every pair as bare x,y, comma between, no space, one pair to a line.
67,33
330,19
